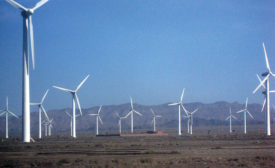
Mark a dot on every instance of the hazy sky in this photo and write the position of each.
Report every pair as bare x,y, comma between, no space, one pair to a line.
147,49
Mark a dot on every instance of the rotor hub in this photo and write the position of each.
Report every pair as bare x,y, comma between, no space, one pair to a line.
265,74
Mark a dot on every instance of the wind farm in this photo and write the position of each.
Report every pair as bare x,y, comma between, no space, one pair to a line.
169,80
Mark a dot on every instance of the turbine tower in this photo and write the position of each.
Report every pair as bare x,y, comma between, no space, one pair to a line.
41,108
50,126
7,112
132,115
265,81
154,119
97,118
71,119
180,105
230,120
244,115
75,98
119,122
27,31
45,123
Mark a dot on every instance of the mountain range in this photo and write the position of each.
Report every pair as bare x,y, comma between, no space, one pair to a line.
208,114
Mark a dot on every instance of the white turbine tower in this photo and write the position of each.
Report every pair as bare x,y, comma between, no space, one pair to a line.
75,98
7,112
154,119
180,105
97,118
119,122
230,120
244,115
71,119
45,123
50,126
266,82
41,108
132,115
27,30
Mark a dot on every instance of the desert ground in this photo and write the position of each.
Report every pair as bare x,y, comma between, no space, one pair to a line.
198,150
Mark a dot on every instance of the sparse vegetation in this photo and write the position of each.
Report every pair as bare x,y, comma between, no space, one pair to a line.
252,150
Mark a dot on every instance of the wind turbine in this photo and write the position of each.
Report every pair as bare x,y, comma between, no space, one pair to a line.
71,118
267,87
230,120
245,110
27,31
119,122
97,118
7,112
132,115
41,108
154,119
50,126
75,98
190,120
180,105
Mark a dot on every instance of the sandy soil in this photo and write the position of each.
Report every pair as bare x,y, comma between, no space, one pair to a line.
171,151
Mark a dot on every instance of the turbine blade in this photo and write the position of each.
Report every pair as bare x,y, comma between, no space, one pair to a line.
158,116
263,81
117,115
78,104
173,104
184,109
43,98
152,112
60,88
246,103
131,103
272,91
182,94
45,113
93,114
68,114
32,41
39,4
195,111
260,80
250,114
99,110
81,83
138,112
3,113
13,114
263,105
240,111
128,114
234,117
227,118
17,5
34,104
100,120
266,59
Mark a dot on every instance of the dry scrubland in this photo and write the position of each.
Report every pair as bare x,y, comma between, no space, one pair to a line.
216,150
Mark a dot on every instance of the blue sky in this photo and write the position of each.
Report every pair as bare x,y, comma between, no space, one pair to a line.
147,49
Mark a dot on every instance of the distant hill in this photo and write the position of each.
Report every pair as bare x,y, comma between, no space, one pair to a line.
208,114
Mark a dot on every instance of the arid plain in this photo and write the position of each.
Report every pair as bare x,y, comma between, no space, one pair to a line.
198,150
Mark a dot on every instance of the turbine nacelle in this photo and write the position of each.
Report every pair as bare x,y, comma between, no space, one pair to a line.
265,74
